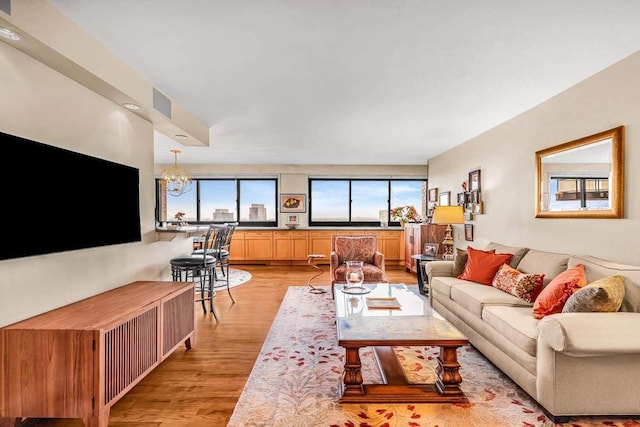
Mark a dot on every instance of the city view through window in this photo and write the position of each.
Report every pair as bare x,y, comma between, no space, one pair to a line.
332,201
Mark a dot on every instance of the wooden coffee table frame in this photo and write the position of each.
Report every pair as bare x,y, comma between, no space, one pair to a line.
396,388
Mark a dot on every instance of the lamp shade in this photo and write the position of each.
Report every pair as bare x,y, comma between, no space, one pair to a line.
448,215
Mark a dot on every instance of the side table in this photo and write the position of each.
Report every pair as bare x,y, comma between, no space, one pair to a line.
420,258
310,259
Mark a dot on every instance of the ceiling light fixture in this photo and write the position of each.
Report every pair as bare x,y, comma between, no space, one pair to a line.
131,106
174,180
9,34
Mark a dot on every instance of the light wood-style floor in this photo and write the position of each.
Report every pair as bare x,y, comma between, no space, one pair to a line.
200,387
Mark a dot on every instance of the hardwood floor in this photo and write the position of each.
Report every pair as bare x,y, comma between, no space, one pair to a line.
200,387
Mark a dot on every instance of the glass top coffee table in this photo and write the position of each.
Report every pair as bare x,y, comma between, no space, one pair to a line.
414,323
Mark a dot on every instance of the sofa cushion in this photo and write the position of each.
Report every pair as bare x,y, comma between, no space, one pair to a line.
596,268
474,297
548,263
517,252
603,295
442,285
553,297
514,323
483,265
521,285
460,261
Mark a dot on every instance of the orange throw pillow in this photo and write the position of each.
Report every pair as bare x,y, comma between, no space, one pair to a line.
553,297
483,265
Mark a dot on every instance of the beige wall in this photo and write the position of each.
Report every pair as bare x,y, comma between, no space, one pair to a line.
41,104
506,157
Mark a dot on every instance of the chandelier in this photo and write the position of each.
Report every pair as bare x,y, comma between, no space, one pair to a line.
174,180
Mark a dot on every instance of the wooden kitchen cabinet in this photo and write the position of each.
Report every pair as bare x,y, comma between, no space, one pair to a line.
258,245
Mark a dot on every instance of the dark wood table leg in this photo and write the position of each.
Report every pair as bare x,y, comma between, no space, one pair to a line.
352,376
449,379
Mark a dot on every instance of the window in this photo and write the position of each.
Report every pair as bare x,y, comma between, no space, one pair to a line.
336,202
248,201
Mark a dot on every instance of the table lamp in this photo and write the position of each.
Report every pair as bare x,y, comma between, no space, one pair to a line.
448,215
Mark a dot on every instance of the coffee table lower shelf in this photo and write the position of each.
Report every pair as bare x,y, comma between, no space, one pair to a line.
396,388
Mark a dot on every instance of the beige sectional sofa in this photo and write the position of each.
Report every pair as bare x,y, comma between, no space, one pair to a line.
571,363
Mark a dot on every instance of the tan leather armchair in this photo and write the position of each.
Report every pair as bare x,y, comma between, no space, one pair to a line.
356,248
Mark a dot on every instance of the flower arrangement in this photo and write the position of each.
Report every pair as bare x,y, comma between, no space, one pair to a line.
405,214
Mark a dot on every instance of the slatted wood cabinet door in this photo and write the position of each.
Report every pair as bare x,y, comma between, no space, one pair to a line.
80,359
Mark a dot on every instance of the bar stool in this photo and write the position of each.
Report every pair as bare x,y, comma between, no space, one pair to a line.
200,269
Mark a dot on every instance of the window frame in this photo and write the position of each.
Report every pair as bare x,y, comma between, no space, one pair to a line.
350,222
238,181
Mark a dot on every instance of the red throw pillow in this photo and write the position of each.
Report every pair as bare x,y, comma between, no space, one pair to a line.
483,265
553,297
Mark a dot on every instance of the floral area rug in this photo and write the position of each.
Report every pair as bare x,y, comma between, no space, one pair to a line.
295,379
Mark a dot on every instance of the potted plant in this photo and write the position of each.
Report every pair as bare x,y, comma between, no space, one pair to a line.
405,214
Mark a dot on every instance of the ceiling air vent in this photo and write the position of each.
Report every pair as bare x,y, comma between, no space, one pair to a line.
161,103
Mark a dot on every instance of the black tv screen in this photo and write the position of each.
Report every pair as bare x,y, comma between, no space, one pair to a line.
59,200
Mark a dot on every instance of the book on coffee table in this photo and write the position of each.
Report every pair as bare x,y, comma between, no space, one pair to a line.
383,303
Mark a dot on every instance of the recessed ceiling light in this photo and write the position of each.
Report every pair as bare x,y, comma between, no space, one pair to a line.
180,136
131,106
9,34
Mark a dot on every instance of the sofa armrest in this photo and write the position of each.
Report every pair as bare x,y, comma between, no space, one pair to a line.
439,269
591,334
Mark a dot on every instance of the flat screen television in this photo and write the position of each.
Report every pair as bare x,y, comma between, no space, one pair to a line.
59,200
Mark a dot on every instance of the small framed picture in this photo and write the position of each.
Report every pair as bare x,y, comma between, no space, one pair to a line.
293,203
444,199
292,219
461,199
468,232
431,249
474,180
478,208
433,195
474,197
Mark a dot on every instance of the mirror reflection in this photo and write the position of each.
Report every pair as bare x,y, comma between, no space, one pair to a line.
581,178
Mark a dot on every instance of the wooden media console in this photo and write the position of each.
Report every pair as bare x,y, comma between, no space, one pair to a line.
80,359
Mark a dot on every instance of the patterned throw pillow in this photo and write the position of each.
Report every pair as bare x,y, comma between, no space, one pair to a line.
554,296
604,295
483,265
521,285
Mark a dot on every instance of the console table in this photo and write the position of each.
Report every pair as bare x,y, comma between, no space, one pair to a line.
80,359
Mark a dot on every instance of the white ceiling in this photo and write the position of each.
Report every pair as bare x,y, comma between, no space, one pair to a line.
357,81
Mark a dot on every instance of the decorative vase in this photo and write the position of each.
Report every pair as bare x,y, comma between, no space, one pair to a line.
354,275
402,223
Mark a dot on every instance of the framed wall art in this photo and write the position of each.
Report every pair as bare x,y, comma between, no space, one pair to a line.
293,203
292,219
474,180
433,195
444,199
468,232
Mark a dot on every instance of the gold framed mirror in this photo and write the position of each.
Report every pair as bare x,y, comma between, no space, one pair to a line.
582,178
